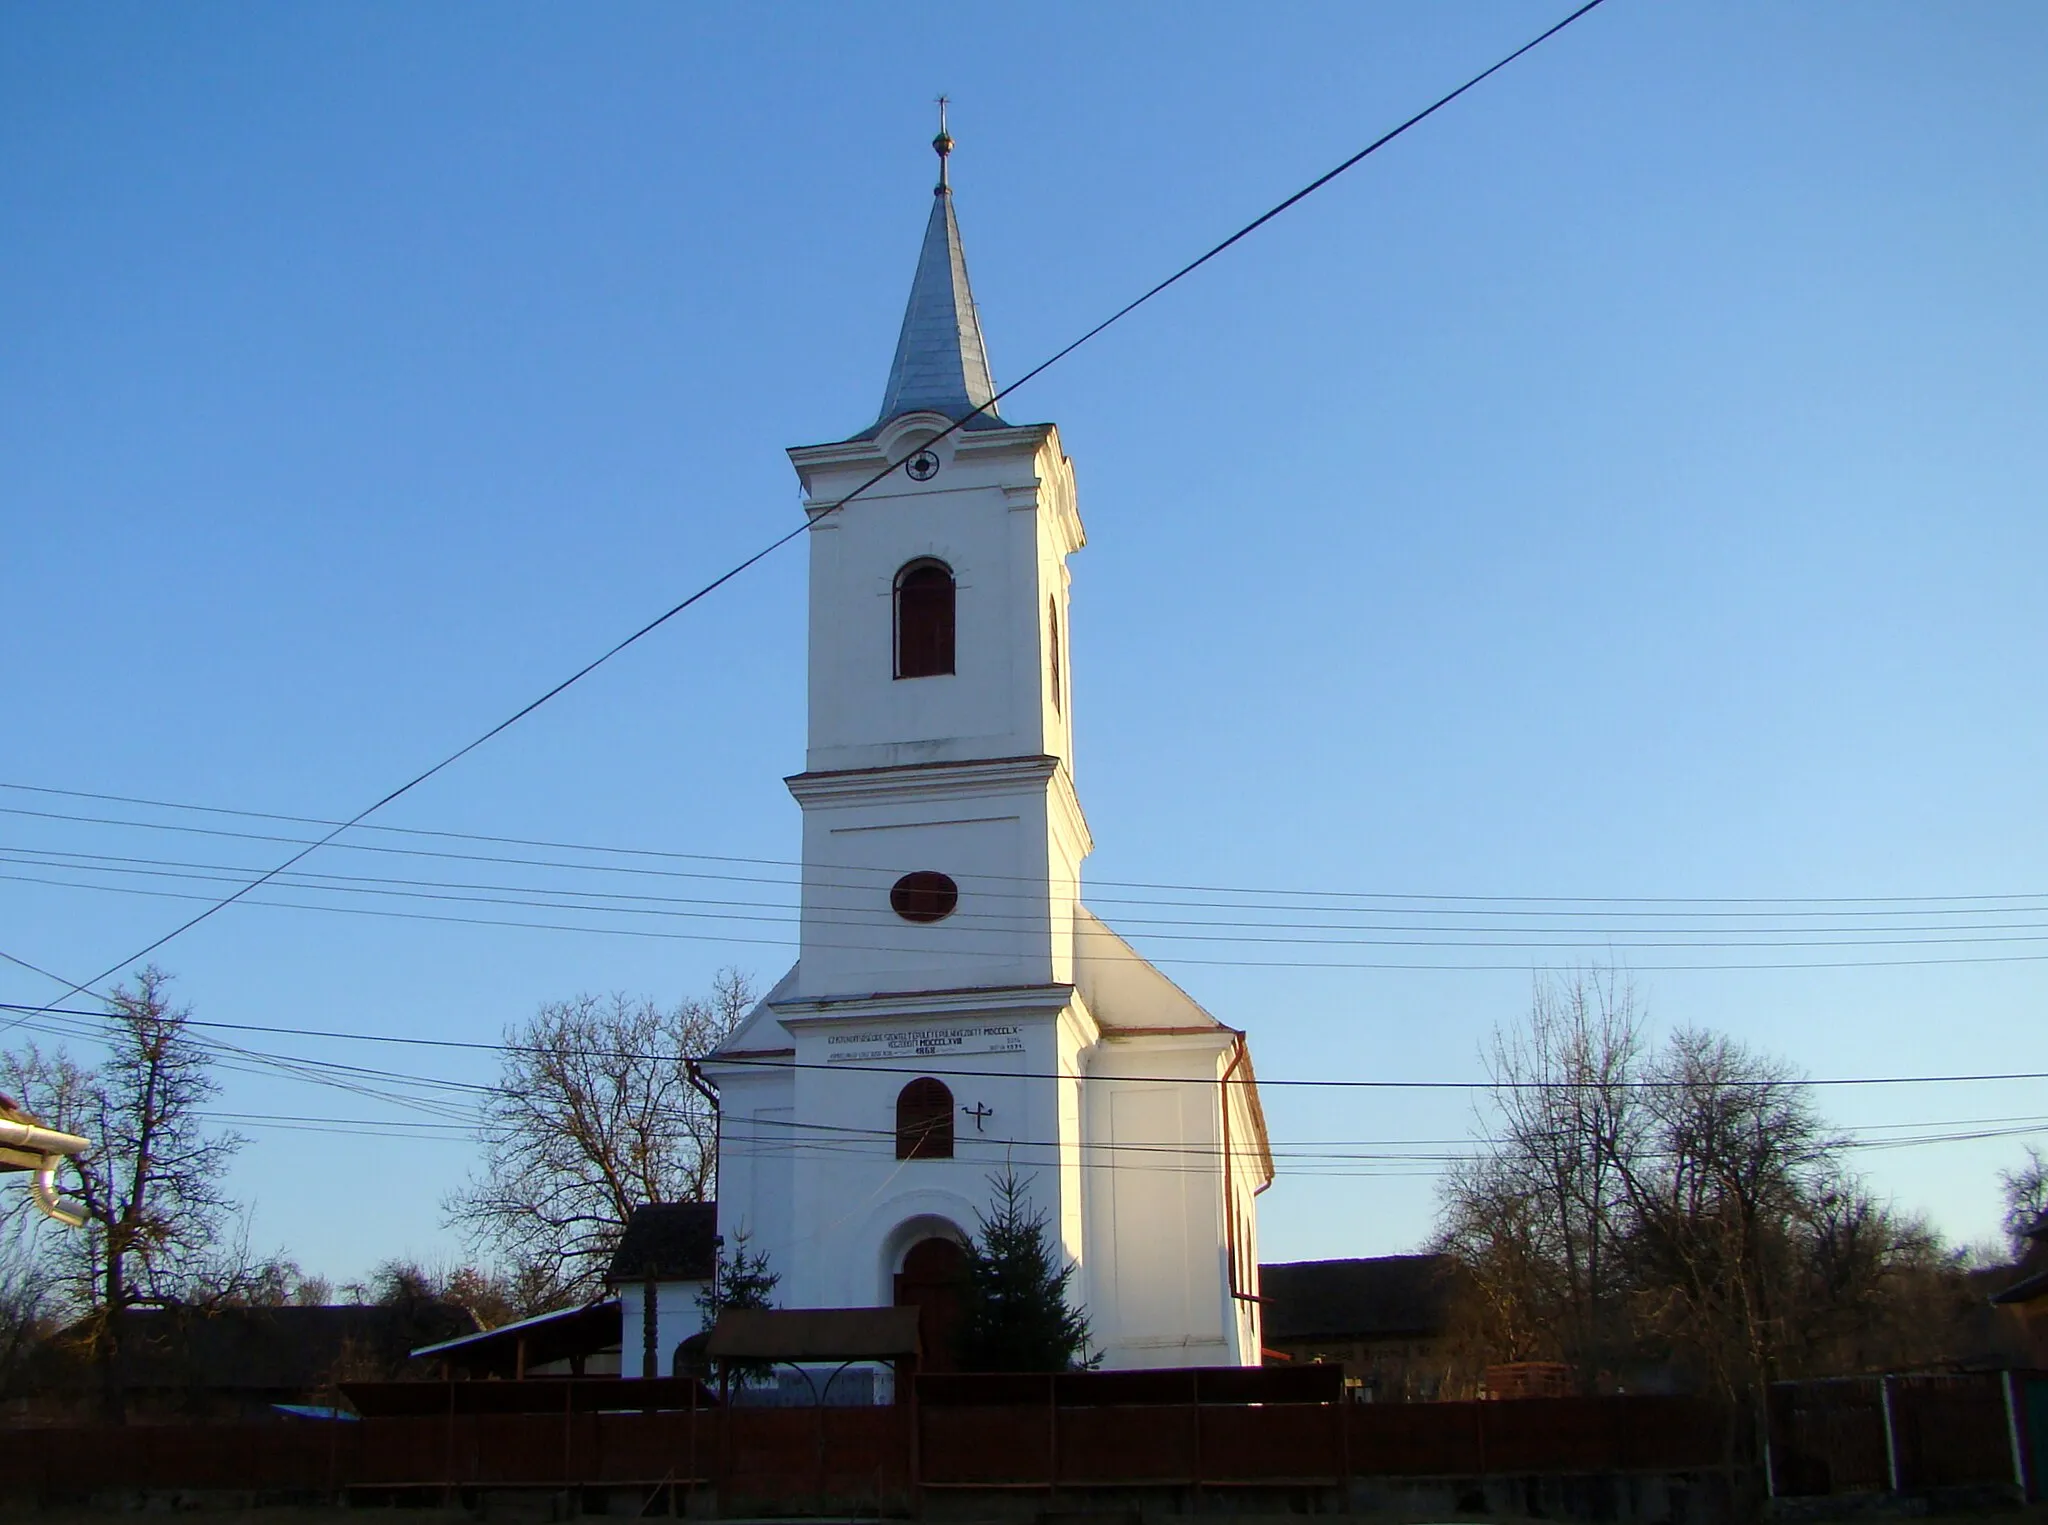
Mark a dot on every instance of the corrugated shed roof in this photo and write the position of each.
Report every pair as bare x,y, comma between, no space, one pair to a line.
556,1336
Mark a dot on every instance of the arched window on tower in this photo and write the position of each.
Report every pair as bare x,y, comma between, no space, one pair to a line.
1052,630
924,620
924,1121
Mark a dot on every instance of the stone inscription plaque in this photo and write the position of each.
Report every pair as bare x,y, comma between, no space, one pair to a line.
925,1042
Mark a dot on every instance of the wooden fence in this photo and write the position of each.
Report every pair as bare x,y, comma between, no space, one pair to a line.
1033,1434
1911,1434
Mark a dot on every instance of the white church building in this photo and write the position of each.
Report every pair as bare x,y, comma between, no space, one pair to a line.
956,1010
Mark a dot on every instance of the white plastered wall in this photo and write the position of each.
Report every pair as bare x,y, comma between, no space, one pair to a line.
677,1316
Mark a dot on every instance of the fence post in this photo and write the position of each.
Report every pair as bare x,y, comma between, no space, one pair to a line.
1891,1439
448,1488
2012,1432
906,1372
1770,1454
1343,1412
1052,1439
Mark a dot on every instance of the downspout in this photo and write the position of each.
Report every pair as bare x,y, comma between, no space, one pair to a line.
709,1092
1240,1298
650,1354
698,1083
1229,1199
42,1190
50,1150
703,1088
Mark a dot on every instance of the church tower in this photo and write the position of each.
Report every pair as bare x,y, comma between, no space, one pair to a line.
955,1011
940,757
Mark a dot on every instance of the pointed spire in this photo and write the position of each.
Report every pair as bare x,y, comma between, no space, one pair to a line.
941,363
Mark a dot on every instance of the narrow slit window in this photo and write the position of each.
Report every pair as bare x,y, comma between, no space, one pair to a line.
1052,630
924,1121
924,620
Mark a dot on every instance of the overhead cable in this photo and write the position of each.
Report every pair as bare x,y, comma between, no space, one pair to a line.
813,518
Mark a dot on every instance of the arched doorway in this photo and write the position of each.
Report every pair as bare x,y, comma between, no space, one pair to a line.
930,1282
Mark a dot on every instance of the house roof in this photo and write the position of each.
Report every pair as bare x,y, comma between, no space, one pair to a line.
761,1032
2025,1290
288,1349
668,1241
1357,1299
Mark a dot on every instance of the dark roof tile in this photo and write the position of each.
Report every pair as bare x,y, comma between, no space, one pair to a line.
1357,1299
670,1241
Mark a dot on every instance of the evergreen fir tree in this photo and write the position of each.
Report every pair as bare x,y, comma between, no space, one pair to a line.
1013,1292
743,1280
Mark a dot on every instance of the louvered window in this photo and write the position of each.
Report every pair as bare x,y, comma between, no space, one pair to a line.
924,1121
924,620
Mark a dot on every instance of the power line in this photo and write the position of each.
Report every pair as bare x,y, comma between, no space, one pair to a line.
811,519
1521,906
1217,930
1211,929
939,1066
1189,960
1311,1157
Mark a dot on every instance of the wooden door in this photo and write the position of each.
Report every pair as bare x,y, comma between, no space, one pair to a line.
930,1282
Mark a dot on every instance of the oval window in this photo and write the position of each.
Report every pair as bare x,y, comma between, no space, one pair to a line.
924,896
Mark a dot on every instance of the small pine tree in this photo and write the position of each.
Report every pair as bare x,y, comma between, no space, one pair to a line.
1013,1292
743,1280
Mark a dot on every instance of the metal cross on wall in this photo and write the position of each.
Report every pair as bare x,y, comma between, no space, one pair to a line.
979,1112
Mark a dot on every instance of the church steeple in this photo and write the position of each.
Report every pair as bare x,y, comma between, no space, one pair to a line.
941,363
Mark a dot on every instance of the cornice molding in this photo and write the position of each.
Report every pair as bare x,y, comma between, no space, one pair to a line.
1066,803
1171,1039
825,1011
871,453
992,775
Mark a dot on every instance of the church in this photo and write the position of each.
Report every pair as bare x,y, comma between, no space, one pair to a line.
956,1012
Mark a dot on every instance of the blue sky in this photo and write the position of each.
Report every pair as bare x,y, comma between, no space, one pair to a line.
1629,484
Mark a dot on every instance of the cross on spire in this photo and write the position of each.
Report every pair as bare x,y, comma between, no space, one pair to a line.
942,145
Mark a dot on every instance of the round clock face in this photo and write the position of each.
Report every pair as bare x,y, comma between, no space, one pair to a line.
922,467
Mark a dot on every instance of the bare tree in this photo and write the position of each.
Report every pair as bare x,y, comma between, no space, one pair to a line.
1684,1208
157,1215
1736,1158
1870,1288
24,1315
595,1112
1537,1218
2026,1200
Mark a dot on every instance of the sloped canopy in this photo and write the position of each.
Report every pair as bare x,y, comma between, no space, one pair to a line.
510,1349
814,1334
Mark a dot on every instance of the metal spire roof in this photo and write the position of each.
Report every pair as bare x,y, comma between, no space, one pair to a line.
941,363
